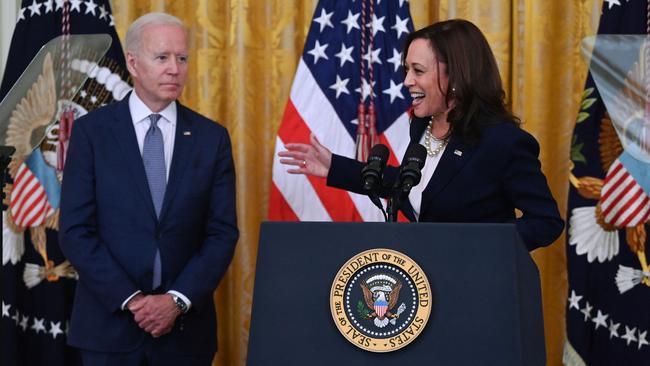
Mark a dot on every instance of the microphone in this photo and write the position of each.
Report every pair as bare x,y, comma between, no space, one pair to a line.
371,173
409,172
409,176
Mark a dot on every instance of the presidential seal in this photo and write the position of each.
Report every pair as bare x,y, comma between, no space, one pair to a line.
380,300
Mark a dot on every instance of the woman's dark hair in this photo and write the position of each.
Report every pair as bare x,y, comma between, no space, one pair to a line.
474,80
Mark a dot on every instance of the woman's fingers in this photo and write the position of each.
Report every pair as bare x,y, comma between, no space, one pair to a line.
310,159
298,147
296,162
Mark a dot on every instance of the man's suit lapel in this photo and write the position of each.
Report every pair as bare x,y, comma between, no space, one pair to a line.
128,143
183,144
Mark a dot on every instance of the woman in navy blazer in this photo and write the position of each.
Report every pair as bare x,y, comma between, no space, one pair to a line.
480,165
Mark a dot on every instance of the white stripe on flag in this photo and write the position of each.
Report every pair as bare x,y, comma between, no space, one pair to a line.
297,190
398,137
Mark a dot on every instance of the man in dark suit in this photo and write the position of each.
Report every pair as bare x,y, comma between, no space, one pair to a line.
148,214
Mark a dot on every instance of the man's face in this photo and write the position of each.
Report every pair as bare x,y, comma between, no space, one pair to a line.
159,65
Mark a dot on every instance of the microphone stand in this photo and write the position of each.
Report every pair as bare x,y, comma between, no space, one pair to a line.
374,197
391,209
394,204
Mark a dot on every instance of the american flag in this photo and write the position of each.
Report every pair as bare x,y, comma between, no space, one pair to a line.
35,194
327,90
623,201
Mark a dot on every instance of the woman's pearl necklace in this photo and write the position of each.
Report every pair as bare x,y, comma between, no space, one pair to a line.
429,138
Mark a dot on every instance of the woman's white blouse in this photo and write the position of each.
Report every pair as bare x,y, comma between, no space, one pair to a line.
415,197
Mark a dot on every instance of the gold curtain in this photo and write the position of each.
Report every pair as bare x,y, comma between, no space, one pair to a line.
243,58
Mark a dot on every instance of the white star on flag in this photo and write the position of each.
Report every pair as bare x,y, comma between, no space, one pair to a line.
49,6
351,21
345,54
642,340
340,86
90,7
35,8
102,12
587,311
324,20
613,329
574,300
373,56
629,335
365,89
21,14
400,26
55,329
600,319
396,60
24,321
395,91
38,325
5,309
75,4
318,52
59,4
611,3
377,24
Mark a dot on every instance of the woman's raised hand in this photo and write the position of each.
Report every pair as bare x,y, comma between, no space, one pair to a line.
310,159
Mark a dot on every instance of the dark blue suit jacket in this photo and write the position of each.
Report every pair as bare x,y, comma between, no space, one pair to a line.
482,183
109,230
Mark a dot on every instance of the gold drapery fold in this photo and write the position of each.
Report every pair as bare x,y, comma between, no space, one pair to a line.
242,62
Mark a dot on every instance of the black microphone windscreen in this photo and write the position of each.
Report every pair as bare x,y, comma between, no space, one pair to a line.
380,151
417,153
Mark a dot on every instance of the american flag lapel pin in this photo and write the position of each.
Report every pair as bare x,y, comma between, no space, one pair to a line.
458,152
187,133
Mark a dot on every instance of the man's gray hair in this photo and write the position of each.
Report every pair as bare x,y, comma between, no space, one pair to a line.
134,33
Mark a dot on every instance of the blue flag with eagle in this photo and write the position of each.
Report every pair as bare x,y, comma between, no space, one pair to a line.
607,321
37,282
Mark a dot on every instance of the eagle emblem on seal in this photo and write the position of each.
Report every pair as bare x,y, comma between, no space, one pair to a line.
381,293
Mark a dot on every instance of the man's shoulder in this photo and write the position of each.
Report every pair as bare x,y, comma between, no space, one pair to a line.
97,116
199,120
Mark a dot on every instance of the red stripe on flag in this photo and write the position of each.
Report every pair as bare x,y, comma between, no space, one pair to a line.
40,215
615,200
26,211
616,166
609,188
279,209
21,173
337,202
20,184
20,210
635,213
629,201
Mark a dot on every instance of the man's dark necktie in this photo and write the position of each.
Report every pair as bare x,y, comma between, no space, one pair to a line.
153,156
